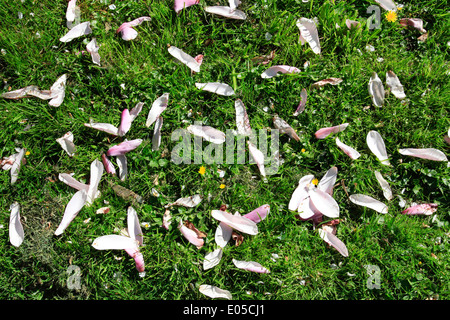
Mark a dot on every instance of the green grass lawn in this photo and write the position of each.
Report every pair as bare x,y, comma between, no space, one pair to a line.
410,252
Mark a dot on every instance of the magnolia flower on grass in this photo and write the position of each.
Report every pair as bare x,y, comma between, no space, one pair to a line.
250,266
274,70
66,142
16,233
77,31
369,202
325,132
425,153
376,144
309,34
130,241
126,29
425,209
181,4
214,292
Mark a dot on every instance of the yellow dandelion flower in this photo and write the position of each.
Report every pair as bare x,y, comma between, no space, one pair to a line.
27,153
303,150
222,186
391,16
202,170
315,181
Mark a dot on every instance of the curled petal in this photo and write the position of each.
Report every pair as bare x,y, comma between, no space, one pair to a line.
79,30
212,259
125,123
109,167
181,4
28,91
72,182
258,156
184,58
332,240
369,202
242,120
376,144
425,208
208,133
136,110
214,292
308,33
426,153
300,193
92,47
114,242
352,153
326,184
393,82
416,23
250,266
158,106
273,71
384,185
258,214
226,12
74,206
123,147
325,132
66,142
324,203
138,259
216,87
223,234
122,163
284,127
376,90
236,222
126,28
302,104
191,235
58,91
15,168
332,81
16,234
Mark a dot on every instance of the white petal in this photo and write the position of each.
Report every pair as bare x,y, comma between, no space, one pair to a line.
134,227
284,127
369,202
15,168
393,82
105,127
156,139
308,33
16,234
212,259
387,5
324,203
327,182
300,193
214,292
376,145
92,47
242,120
332,240
74,206
216,87
70,11
188,202
226,12
122,163
184,58
376,90
95,176
236,222
72,182
79,30
208,133
66,142
384,185
250,266
223,234
352,153
158,106
273,71
425,153
114,242
258,156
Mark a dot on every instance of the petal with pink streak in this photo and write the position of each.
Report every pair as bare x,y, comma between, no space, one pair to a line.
258,214
236,222
325,132
424,208
250,266
181,4
332,240
424,153
124,147
352,153
274,70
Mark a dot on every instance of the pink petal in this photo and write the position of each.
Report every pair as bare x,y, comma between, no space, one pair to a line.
284,127
92,47
16,234
324,203
302,104
425,208
325,132
105,127
332,240
208,133
236,222
272,71
79,30
128,33
250,266
125,123
109,167
133,226
138,258
191,235
258,214
226,12
74,206
181,4
369,202
185,58
123,147
300,193
158,106
72,182
425,153
352,153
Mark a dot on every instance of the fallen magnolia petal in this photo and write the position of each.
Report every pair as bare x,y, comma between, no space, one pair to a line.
284,127
15,168
216,87
16,234
227,12
308,33
387,5
352,153
167,220
301,106
250,266
181,4
376,90
274,70
307,210
393,82
125,123
214,292
324,203
184,58
156,139
223,234
425,153
136,110
138,259
424,208
94,180
188,202
326,184
258,214
369,202
212,259
70,11
29,91
74,206
77,31
133,226
242,120
208,133
158,106
236,222
300,193
413,22
66,142
126,194
234,4
325,132
352,24
332,240
105,127
126,28
258,156
92,47
376,145
123,167
387,192
109,167
72,182
124,147
114,242
332,81
58,91
191,235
